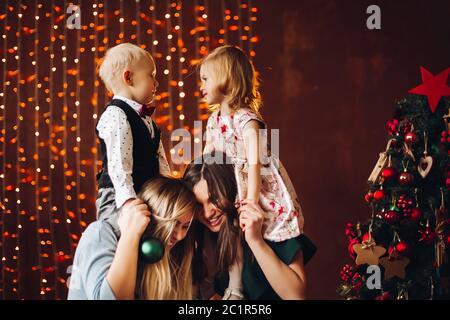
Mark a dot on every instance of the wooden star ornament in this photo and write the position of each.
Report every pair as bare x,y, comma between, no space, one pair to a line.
394,267
368,252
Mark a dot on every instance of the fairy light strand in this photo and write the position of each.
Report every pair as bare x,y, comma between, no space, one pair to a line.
18,146
79,172
3,200
239,16
138,21
52,213
154,41
121,21
224,21
36,156
66,168
205,17
180,48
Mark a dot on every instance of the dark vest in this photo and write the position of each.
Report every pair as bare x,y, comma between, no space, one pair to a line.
145,150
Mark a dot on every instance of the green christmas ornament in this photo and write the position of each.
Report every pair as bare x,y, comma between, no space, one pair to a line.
151,250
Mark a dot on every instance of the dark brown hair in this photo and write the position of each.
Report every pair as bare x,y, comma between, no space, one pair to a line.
218,173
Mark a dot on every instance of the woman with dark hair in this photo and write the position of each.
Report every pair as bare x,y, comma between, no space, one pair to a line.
271,270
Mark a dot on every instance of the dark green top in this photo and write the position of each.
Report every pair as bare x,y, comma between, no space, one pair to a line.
256,286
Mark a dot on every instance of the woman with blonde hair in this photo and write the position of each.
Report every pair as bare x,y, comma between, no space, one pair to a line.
106,264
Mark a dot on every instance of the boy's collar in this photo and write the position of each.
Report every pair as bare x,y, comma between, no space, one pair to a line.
134,104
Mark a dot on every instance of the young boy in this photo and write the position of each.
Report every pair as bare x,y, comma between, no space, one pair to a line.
131,147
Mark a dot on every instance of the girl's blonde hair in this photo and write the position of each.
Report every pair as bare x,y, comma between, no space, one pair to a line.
236,77
117,59
170,278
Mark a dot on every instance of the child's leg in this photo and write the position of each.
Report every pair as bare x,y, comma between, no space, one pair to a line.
106,206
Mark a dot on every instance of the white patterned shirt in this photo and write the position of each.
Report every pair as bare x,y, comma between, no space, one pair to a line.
115,131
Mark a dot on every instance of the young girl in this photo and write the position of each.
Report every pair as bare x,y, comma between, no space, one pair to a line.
106,262
230,86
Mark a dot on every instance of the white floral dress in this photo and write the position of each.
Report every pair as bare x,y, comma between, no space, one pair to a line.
284,217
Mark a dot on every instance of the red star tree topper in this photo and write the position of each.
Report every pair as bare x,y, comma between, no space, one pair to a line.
434,87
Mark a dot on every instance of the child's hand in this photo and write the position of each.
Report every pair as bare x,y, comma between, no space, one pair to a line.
251,218
134,218
126,203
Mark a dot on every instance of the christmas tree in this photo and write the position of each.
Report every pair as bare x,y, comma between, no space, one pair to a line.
406,240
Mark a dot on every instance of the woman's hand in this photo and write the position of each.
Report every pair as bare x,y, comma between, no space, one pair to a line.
134,218
251,218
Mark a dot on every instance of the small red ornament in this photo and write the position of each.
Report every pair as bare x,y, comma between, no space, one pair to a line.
392,127
410,138
402,247
389,173
366,237
368,197
416,214
405,178
391,217
447,183
378,195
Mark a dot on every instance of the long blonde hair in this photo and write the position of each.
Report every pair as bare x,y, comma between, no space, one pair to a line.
170,278
236,77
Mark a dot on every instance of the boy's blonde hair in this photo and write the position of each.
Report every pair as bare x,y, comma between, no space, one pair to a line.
236,77
170,278
117,59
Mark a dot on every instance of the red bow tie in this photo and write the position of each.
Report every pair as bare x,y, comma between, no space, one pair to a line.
146,110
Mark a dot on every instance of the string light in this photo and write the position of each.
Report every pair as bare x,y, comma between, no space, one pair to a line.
36,145
4,200
51,209
18,152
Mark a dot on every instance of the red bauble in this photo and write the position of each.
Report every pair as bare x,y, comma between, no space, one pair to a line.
402,247
366,237
368,197
405,178
416,214
389,173
378,195
447,183
410,138
392,127
391,217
